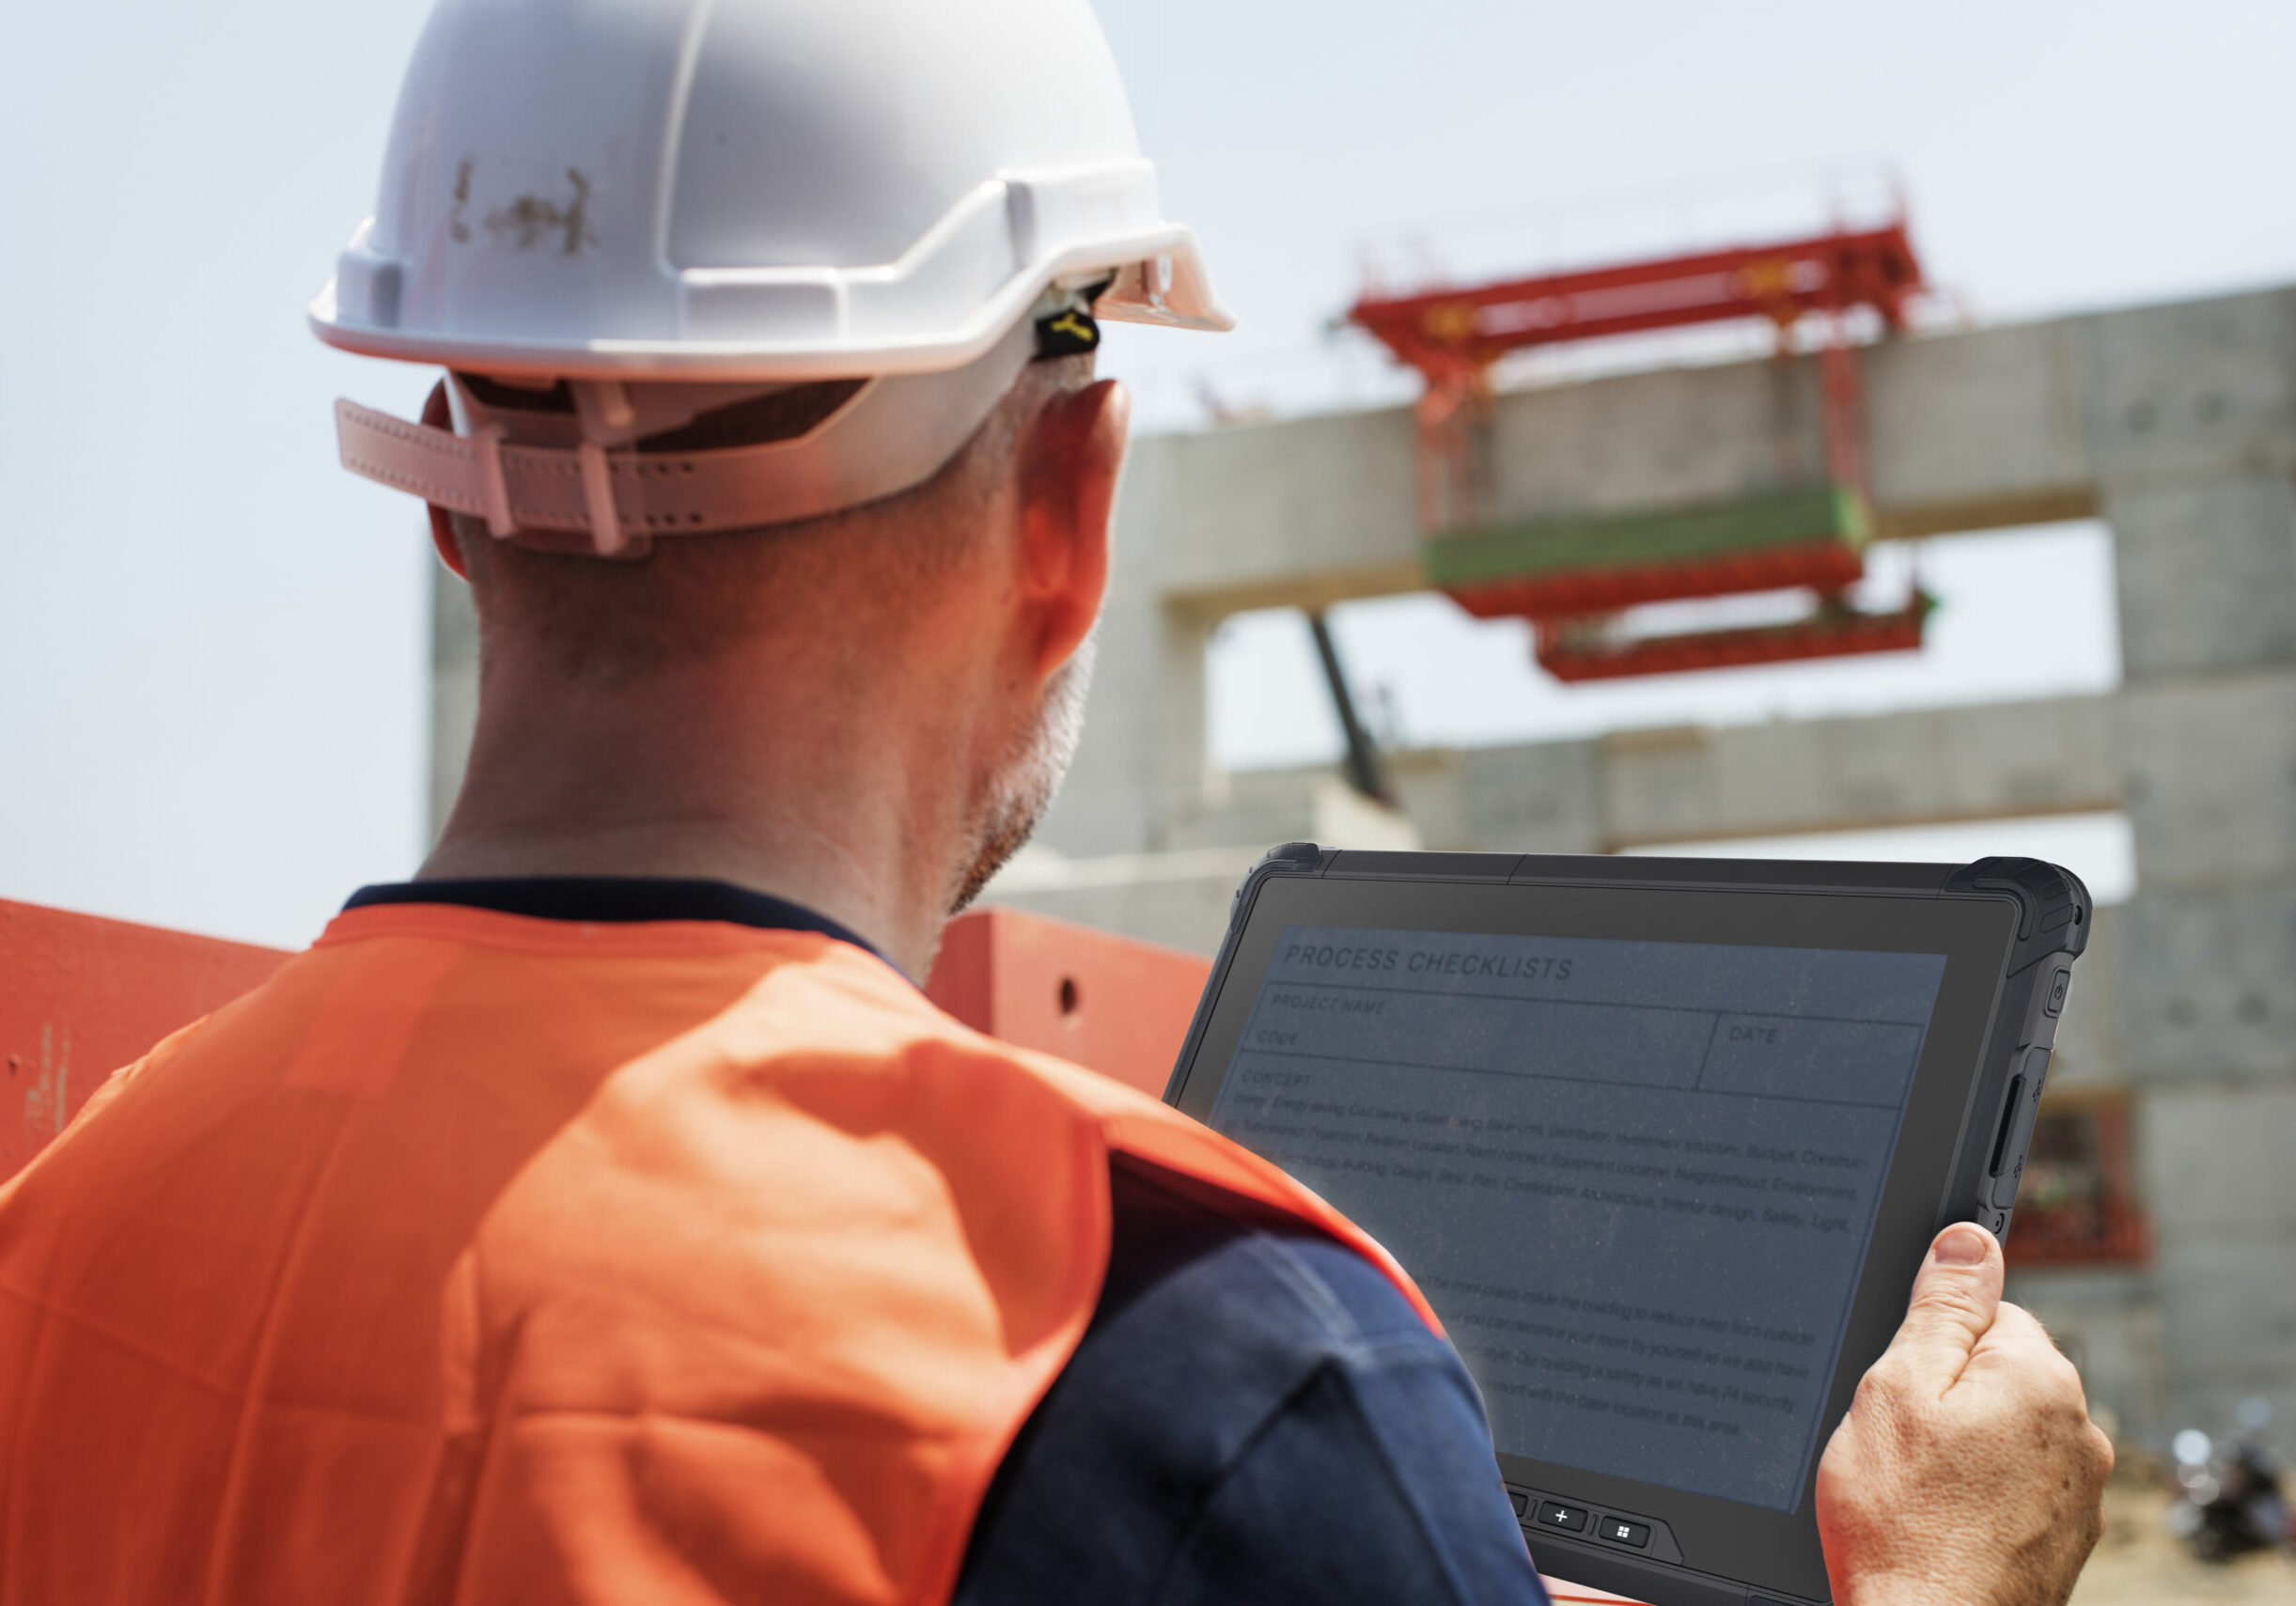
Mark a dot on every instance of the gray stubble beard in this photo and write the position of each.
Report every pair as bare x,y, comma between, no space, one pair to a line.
1024,786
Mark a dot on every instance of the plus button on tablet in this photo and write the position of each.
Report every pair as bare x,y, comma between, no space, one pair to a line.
1552,1515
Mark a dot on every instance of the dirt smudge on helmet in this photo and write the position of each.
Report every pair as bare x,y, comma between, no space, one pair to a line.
532,219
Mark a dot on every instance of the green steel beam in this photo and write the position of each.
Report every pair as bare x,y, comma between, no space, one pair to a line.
1648,536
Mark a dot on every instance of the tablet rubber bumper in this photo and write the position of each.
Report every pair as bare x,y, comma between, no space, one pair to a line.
1625,1574
2054,915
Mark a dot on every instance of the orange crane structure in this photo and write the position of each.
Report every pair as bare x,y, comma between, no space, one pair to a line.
1571,576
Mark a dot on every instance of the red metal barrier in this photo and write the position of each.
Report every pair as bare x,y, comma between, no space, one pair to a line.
1118,1006
81,996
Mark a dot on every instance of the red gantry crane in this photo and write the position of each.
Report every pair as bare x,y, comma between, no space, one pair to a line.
1570,575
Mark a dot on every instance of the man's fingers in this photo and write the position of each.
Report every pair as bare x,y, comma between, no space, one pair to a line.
1955,1299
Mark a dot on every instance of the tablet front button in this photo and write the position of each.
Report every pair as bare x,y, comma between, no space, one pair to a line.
1634,1533
1553,1514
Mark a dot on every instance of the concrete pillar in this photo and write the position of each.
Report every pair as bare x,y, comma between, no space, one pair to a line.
2206,566
2192,424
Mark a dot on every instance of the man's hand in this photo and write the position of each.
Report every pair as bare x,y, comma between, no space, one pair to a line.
1968,1472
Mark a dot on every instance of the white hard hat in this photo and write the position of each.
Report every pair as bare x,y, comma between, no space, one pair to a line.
677,206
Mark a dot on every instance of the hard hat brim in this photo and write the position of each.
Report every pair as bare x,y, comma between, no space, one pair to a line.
1159,278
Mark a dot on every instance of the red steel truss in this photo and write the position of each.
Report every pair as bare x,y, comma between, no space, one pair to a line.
1454,336
1832,632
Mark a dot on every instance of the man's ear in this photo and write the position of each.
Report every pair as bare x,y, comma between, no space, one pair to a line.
438,416
1071,458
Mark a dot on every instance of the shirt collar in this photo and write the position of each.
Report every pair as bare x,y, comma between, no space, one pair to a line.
613,901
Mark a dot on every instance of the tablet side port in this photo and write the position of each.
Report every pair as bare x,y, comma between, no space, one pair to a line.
2011,1168
2008,1121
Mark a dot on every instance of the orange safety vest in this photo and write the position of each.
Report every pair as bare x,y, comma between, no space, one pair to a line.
476,1257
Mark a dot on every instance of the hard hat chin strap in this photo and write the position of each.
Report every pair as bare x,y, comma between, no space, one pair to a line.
887,435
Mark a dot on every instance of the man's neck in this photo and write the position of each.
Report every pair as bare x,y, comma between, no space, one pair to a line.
827,807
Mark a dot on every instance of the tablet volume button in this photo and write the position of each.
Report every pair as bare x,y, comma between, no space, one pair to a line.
1554,1513
2044,1033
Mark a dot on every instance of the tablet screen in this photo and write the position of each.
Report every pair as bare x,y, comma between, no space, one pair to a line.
1635,1179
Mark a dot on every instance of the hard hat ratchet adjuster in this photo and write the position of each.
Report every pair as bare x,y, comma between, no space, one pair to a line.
1068,328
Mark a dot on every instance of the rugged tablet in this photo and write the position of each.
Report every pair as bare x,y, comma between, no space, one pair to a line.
1664,1142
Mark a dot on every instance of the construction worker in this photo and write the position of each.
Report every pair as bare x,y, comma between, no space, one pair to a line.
604,1215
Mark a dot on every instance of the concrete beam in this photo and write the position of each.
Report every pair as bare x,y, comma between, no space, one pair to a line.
1974,430
1919,767
1632,789
1688,784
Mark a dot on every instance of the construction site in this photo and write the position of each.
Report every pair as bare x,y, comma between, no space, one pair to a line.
1661,468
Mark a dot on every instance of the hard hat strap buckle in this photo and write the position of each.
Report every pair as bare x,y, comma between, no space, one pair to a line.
598,497
608,419
486,437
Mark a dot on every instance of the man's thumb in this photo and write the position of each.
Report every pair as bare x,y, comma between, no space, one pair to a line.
1954,1300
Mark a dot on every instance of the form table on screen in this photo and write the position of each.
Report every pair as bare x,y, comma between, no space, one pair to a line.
1634,1178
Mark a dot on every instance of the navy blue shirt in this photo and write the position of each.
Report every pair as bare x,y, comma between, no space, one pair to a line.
1254,1414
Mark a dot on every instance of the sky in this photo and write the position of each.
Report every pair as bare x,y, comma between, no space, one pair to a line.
212,678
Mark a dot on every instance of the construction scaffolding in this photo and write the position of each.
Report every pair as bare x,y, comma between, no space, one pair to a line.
1572,575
